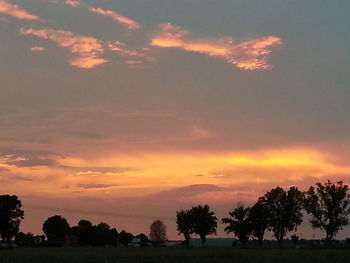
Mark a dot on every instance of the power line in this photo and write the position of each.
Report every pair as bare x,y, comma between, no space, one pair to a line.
86,212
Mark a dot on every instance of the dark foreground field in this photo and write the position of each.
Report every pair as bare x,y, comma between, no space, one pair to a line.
172,255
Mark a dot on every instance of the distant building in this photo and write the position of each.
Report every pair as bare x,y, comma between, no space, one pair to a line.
136,242
214,242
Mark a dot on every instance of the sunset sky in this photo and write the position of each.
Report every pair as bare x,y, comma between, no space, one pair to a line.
113,108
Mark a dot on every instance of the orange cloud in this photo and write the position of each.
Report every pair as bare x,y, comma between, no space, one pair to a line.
37,49
87,62
247,55
131,24
73,3
15,11
88,49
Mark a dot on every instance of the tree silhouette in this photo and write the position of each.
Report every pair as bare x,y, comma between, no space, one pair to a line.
285,208
184,221
11,215
259,220
329,205
143,240
28,239
56,229
239,223
104,235
157,232
204,222
125,238
86,233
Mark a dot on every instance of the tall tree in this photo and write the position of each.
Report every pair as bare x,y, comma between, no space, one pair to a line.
184,221
239,223
285,208
204,222
11,215
329,205
157,232
259,220
56,229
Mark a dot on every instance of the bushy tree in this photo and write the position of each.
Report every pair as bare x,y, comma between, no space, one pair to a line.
86,233
143,240
329,205
204,222
56,229
125,238
28,239
285,208
104,235
158,233
11,215
259,220
185,226
239,223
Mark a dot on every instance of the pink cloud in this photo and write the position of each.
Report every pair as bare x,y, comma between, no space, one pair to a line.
37,49
73,3
87,48
15,11
247,55
120,48
128,22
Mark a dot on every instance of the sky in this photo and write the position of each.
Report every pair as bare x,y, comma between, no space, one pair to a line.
127,111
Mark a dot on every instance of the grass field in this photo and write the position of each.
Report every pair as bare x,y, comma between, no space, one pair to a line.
172,255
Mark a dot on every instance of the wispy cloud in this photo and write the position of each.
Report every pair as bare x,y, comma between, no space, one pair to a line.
128,22
73,3
15,11
125,21
95,186
37,49
247,55
87,48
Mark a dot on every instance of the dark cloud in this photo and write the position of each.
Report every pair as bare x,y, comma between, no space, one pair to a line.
27,158
24,153
33,162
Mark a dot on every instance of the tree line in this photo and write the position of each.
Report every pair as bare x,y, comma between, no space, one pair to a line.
279,211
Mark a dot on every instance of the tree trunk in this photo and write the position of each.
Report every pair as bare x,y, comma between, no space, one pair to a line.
203,240
329,237
187,241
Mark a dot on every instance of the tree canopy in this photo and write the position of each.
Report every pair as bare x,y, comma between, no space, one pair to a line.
185,225
125,238
259,217
204,222
11,215
239,223
158,234
56,228
285,207
329,205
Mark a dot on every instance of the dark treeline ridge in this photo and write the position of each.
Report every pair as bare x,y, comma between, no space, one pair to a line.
279,211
